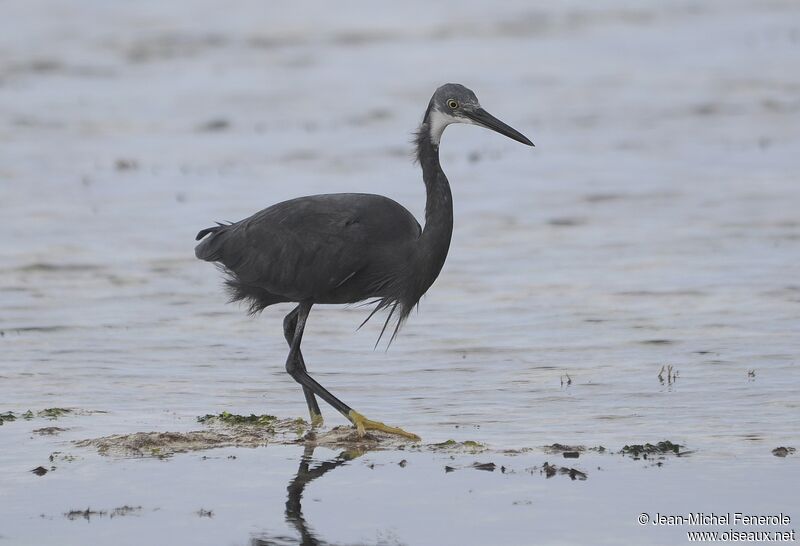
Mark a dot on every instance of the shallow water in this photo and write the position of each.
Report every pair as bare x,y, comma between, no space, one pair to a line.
654,224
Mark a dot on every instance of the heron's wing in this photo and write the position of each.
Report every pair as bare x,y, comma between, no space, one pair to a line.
307,247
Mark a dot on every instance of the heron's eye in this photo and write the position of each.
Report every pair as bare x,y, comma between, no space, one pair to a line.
452,103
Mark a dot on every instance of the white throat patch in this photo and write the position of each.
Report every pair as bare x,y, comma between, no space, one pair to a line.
438,121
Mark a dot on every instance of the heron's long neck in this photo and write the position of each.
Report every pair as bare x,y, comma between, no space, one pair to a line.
435,239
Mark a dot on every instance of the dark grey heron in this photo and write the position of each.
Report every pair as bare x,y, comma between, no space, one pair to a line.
348,247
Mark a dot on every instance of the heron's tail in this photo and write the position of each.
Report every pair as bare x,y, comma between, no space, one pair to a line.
208,250
203,232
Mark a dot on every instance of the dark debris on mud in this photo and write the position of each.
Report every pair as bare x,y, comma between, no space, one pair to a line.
551,470
487,467
548,471
49,431
88,514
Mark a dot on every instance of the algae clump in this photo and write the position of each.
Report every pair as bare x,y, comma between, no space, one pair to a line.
661,448
50,413
468,445
227,418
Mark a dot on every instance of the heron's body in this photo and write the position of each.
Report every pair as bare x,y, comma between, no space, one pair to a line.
332,248
347,247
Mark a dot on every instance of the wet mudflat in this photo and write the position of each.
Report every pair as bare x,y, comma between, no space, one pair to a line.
632,281
290,488
273,481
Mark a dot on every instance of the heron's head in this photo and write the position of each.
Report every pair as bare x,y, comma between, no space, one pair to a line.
454,103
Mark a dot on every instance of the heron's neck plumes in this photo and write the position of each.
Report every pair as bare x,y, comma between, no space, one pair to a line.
435,239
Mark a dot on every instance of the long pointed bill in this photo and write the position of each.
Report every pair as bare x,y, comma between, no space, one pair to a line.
484,118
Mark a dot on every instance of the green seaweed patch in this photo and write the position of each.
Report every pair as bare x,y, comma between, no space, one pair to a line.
561,448
300,426
49,413
232,419
565,449
515,452
452,445
644,450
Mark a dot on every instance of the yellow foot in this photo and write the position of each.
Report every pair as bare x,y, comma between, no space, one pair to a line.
363,424
316,420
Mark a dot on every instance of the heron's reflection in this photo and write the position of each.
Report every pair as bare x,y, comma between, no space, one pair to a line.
294,508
